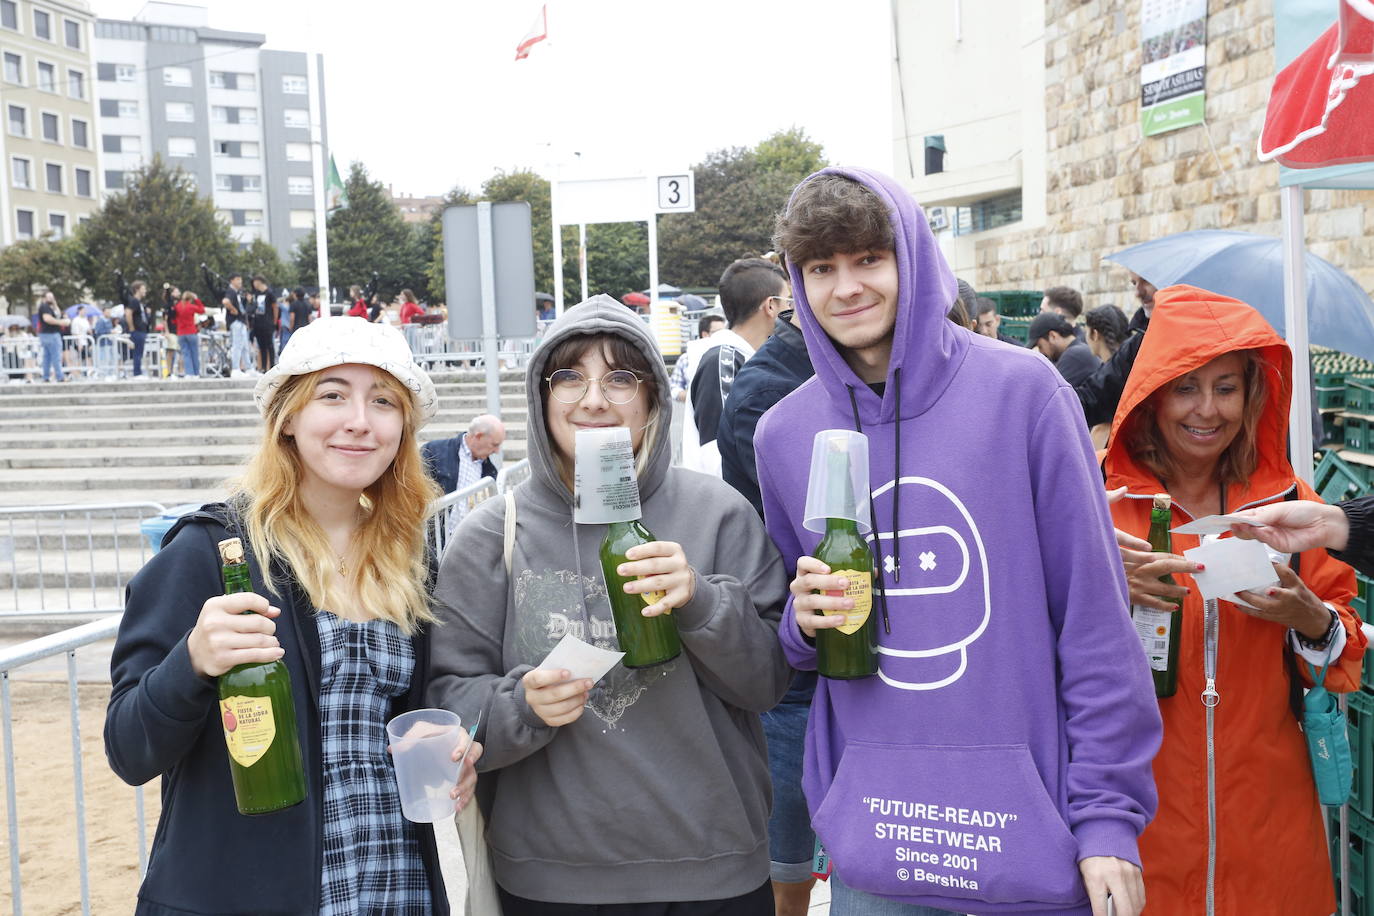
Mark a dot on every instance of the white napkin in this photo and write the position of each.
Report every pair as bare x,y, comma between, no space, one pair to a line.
581,658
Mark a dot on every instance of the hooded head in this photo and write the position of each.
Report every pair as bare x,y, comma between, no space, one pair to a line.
823,219
600,329
1190,328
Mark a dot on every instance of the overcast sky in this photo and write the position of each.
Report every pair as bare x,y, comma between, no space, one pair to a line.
428,95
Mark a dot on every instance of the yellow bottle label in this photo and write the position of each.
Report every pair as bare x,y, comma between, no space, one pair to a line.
860,589
249,727
651,598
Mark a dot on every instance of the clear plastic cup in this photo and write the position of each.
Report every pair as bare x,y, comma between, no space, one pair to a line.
422,743
835,455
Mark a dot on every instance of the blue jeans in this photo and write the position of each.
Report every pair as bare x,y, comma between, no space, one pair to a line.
239,356
52,355
190,353
139,338
845,901
791,842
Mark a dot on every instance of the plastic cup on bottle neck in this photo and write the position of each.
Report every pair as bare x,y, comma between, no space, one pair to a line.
605,488
835,454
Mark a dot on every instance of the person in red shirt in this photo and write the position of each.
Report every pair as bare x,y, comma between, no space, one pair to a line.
359,309
410,307
184,313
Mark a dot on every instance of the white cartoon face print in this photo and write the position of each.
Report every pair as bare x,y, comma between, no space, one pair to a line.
936,584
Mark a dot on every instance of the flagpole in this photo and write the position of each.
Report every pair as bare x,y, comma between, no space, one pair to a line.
318,168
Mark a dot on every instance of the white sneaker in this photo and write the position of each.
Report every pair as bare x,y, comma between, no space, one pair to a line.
237,373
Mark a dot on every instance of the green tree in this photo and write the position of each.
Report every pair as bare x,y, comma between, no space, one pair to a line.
368,235
617,261
158,229
41,264
260,257
739,193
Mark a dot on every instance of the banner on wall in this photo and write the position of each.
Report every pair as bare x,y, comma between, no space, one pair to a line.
1173,64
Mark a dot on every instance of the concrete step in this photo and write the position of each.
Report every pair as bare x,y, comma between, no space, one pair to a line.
205,392
237,406
21,390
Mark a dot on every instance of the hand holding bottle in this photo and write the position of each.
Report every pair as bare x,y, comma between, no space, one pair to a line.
225,635
553,697
661,567
814,576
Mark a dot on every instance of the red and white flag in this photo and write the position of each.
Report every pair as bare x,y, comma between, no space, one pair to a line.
539,31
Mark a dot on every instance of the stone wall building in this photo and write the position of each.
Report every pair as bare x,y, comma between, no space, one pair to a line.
1106,186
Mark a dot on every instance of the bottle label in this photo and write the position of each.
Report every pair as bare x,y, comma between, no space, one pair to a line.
653,598
249,727
860,589
1153,627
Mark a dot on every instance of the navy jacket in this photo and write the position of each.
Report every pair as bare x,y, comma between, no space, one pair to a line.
163,720
775,371
441,459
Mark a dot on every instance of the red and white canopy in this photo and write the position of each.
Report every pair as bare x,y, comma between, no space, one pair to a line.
1321,110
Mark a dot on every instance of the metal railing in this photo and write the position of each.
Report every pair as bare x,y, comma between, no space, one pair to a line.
450,508
67,642
70,559
85,356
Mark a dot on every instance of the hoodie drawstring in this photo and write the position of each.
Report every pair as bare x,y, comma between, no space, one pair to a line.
896,481
873,521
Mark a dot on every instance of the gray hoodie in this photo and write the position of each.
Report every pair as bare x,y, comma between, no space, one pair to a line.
660,790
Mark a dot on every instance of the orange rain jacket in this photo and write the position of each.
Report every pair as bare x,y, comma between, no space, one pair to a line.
1271,851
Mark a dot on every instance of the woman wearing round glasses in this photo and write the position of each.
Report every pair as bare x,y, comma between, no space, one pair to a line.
651,786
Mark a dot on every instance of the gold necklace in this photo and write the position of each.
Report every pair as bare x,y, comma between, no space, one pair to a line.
343,567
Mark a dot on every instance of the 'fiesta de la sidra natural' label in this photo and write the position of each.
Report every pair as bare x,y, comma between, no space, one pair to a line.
860,589
249,727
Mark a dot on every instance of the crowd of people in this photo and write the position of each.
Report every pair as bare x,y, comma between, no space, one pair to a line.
1009,755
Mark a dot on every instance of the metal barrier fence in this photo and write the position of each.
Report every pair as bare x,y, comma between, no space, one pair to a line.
70,559
84,356
445,513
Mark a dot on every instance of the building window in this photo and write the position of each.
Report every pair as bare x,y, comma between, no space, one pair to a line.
42,25
124,73
76,84
989,214
114,143
247,115
180,111
228,148
217,79
293,85
83,182
114,179
298,152
9,14
57,222
51,126
14,68
181,147
21,171
248,150
246,81
300,184
72,33
176,76
18,117
296,117
219,114
81,137
47,77
302,219
52,173
224,182
252,217
23,223
252,182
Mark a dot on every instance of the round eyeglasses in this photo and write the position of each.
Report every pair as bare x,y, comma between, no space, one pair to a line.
619,386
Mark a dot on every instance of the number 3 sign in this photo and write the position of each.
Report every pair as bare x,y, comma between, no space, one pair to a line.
676,194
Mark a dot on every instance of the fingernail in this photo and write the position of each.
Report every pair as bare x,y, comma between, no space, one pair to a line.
1200,567
620,571
1272,592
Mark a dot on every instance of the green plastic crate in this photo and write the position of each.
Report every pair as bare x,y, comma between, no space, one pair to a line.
1359,712
1359,429
1361,845
1336,480
1359,395
1330,397
1015,303
1017,329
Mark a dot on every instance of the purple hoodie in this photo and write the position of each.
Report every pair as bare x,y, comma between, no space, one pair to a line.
1011,728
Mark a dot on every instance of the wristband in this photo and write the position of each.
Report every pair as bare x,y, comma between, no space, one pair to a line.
1318,644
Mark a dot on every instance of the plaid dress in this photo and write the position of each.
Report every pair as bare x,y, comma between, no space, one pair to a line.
371,853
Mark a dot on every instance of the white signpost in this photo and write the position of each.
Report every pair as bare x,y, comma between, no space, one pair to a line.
577,201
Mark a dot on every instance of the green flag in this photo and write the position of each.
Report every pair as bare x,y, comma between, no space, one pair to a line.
335,194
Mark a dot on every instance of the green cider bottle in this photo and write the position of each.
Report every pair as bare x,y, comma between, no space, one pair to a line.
259,718
851,650
646,641
1160,631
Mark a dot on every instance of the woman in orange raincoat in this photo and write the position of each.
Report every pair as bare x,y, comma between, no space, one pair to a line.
1204,417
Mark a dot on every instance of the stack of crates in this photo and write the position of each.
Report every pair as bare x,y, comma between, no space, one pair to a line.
1345,395
1017,307
1360,812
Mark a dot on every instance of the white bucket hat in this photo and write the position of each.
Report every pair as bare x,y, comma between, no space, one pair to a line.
337,341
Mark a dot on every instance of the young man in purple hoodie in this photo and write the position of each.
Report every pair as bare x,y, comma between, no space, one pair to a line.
1000,760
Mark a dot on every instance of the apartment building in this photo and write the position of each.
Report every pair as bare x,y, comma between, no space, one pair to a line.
48,144
233,114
